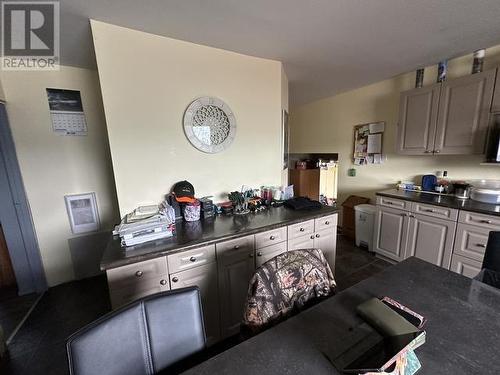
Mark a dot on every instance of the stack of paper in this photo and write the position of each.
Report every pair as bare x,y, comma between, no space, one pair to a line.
147,223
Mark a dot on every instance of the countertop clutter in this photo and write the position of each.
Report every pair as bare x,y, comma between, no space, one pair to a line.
443,200
192,234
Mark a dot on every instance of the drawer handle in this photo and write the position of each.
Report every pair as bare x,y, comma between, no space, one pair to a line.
388,202
174,279
481,245
429,210
312,237
139,273
302,229
404,214
192,259
327,222
259,254
163,282
317,236
272,238
236,247
485,221
250,255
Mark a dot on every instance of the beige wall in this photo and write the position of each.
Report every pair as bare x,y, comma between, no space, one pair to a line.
147,82
327,126
53,166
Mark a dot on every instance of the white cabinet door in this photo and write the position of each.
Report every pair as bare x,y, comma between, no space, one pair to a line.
269,252
471,241
326,241
391,230
430,239
134,292
464,107
465,266
304,242
205,278
235,269
418,110
132,282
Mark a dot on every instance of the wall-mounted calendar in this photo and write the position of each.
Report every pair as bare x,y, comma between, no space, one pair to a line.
66,111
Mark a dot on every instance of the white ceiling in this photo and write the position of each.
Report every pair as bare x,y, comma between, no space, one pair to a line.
327,46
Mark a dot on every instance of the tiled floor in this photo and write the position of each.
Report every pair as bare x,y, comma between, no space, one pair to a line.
354,264
39,346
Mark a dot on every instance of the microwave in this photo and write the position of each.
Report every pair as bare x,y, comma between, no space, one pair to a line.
493,148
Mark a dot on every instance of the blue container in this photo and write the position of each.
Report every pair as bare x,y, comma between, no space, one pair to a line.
429,181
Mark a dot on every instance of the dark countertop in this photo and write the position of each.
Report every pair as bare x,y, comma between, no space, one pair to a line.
190,235
463,328
444,200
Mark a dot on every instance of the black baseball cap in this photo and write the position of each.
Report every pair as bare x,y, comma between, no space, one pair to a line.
184,192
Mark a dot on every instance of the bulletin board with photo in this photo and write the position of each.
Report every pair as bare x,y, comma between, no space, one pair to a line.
368,140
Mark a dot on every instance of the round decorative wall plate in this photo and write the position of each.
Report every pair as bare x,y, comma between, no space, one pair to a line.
209,124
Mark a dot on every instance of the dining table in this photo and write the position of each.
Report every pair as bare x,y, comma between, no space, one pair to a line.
462,327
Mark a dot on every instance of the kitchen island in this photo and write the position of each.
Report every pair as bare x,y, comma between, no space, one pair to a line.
463,329
218,255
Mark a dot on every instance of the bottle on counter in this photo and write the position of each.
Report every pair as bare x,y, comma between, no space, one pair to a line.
444,184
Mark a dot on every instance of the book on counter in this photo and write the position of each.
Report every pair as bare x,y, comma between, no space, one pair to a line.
385,343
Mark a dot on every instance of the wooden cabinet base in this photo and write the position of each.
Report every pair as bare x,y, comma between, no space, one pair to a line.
305,182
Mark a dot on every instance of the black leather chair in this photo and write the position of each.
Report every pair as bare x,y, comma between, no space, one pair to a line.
144,337
490,272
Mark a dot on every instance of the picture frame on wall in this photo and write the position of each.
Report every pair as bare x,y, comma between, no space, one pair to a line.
285,137
82,212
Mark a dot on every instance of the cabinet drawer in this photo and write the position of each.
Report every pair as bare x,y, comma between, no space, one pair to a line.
270,237
465,266
191,258
436,211
394,203
137,273
134,292
300,229
471,241
242,243
269,252
304,242
485,221
196,277
325,222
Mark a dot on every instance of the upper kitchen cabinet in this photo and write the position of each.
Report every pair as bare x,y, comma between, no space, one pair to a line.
449,118
464,108
418,113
